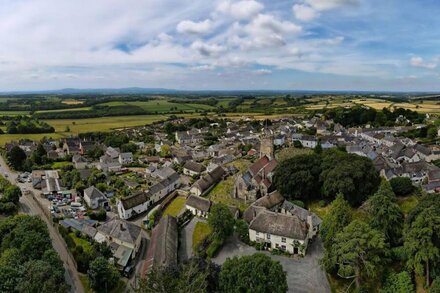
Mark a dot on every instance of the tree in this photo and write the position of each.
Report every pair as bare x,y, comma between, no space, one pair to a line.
221,221
298,177
196,275
103,276
386,215
358,251
338,216
398,283
12,194
421,235
16,157
165,150
402,185
242,229
353,176
435,286
254,273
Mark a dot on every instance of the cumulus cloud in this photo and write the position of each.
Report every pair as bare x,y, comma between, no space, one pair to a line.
304,12
191,27
417,61
245,9
207,49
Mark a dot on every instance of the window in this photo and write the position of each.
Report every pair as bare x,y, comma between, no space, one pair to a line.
268,236
283,240
257,233
283,247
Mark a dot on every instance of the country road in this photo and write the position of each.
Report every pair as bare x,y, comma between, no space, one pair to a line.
29,206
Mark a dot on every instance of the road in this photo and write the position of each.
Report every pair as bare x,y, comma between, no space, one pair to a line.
29,206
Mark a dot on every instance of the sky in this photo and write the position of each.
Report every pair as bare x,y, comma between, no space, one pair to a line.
390,45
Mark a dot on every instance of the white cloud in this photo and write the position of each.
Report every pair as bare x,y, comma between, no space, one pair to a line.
419,62
191,27
205,67
263,72
245,9
304,12
207,49
332,41
322,5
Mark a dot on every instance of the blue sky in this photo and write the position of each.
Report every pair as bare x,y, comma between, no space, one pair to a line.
220,44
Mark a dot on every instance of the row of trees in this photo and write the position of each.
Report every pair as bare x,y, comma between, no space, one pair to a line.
359,115
323,175
255,273
364,249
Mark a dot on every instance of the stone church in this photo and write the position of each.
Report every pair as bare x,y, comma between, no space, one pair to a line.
257,180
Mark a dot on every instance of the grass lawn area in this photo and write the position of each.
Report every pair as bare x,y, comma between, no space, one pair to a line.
59,165
221,193
407,203
81,242
174,208
201,232
240,164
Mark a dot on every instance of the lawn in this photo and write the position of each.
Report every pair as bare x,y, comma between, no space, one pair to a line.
60,165
221,193
174,208
201,232
81,242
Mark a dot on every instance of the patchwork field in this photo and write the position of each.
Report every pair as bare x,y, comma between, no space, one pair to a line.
162,106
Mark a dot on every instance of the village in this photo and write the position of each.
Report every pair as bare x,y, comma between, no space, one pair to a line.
149,197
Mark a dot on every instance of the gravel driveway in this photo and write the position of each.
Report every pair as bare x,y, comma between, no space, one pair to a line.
304,274
185,249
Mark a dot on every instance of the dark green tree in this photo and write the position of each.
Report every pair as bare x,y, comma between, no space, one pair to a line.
386,215
221,221
398,283
353,176
298,177
421,245
358,252
256,273
402,185
16,157
102,275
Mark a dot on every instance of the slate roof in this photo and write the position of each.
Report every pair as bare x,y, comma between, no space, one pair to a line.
280,225
92,192
120,229
195,167
209,179
162,249
301,212
199,203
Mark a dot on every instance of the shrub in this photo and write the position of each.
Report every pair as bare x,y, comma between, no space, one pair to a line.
322,203
401,186
298,203
214,248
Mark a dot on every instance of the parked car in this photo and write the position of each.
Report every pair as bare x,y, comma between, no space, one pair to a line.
128,271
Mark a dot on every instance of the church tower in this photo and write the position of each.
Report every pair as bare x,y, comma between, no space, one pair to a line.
266,146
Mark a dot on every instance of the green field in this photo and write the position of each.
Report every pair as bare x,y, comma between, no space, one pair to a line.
162,106
85,125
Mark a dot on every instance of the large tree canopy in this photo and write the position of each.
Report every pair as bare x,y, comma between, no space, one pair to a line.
353,176
221,221
256,273
298,177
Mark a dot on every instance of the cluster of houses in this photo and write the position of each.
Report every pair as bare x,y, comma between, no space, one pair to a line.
194,168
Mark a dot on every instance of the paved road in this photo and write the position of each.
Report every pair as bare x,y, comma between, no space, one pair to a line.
185,249
304,274
28,205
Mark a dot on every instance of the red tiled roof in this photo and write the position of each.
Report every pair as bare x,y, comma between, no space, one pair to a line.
258,165
270,167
